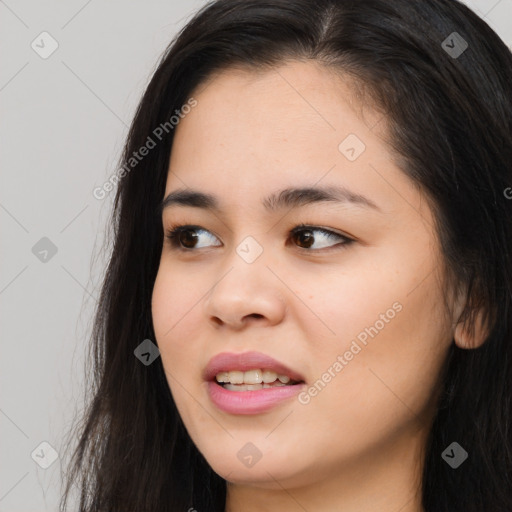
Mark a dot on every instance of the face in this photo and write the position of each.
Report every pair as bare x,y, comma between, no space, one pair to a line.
349,306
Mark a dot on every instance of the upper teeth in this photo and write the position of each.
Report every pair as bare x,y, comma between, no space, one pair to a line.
251,377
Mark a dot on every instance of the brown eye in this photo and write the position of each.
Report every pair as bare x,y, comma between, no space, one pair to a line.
187,238
304,238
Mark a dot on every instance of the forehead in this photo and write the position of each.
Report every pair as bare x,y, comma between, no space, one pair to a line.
297,124
294,102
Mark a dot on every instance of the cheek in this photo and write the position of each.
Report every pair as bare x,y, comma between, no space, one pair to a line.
393,338
172,310
384,390
175,295
173,303
400,364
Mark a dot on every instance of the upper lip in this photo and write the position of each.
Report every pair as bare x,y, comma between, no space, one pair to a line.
228,361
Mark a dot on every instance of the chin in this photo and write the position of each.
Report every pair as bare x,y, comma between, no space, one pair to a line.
264,469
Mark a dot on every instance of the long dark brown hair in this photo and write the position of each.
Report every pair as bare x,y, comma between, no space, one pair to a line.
450,119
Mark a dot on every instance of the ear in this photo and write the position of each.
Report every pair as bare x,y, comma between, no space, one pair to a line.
469,337
470,332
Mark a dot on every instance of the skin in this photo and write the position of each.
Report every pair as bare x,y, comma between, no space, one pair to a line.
358,444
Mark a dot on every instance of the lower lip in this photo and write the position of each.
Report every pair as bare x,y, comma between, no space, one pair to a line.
250,402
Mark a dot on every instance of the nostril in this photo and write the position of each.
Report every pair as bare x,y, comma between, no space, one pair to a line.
219,321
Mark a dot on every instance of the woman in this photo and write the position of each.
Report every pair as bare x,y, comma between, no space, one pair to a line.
307,306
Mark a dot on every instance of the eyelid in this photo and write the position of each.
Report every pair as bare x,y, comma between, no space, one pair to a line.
315,227
345,240
174,231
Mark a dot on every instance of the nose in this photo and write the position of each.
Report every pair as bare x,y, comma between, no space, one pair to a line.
246,294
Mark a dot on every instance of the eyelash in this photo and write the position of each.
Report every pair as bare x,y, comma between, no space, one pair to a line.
174,232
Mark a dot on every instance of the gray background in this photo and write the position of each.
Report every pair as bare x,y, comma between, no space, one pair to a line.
63,123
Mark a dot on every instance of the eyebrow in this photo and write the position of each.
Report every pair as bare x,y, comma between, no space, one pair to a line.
287,198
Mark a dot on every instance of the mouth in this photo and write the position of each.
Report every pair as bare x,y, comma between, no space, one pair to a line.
250,382
249,369
253,380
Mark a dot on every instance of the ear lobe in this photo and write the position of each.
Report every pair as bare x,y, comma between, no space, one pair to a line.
471,330
473,336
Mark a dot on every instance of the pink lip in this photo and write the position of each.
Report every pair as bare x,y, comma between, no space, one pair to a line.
248,402
227,361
